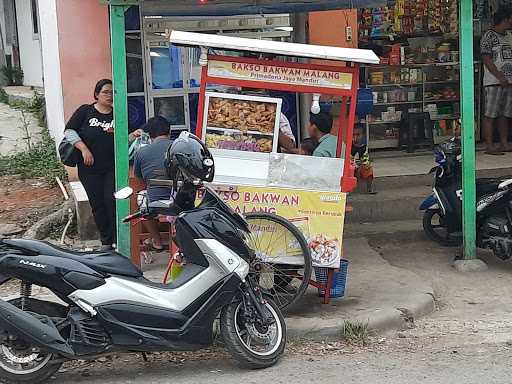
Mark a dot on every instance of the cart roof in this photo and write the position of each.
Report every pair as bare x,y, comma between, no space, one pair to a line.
365,56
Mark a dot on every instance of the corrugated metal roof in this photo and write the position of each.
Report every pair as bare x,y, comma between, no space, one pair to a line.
236,7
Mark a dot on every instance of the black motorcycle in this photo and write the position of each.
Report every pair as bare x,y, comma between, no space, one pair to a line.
108,306
442,219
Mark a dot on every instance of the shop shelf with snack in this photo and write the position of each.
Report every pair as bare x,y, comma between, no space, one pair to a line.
426,88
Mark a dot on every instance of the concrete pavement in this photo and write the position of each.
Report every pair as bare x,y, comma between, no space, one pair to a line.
394,365
468,340
378,293
401,164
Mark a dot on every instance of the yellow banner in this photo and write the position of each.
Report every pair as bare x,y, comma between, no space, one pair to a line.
318,215
280,74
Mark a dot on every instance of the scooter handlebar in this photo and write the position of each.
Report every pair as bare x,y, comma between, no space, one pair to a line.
132,217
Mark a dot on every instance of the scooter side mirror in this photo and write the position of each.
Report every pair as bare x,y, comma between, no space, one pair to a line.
123,193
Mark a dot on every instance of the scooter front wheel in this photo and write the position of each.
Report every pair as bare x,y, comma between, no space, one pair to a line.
434,228
252,344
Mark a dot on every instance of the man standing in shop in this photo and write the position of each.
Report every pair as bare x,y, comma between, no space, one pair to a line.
496,50
320,126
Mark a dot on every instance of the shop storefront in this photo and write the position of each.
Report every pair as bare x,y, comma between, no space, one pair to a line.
416,88
182,79
416,84
163,79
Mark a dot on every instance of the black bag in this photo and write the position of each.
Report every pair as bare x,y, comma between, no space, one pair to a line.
69,155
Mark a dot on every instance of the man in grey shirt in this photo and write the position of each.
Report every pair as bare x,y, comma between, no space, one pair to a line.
148,161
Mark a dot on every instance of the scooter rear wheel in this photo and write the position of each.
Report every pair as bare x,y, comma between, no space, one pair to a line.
435,229
21,362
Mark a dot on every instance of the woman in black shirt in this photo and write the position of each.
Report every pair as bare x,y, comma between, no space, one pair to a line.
91,131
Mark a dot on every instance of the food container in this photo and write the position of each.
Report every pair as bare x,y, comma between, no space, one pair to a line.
394,58
403,95
377,78
415,75
443,57
395,96
432,110
404,76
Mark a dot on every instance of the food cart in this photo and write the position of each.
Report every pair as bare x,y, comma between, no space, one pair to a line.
242,131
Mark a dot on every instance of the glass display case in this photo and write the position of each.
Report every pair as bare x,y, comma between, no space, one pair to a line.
242,123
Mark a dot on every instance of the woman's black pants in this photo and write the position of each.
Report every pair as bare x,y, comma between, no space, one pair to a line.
100,188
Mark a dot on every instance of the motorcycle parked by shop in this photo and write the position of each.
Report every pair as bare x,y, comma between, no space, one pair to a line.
442,219
108,306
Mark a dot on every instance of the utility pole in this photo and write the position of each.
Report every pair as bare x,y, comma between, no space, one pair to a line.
118,46
469,261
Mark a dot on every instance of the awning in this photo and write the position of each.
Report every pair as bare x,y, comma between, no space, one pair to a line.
236,7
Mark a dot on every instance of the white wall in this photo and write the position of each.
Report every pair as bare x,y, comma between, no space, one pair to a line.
30,48
2,24
51,64
3,45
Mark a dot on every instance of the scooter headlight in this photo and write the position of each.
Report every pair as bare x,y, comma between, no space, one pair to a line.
243,269
142,198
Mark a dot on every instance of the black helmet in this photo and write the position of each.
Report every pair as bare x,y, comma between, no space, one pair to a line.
190,156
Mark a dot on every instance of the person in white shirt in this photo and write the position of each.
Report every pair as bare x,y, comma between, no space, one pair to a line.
496,50
286,138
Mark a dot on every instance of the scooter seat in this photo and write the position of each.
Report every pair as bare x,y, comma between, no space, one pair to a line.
487,185
163,207
505,184
105,262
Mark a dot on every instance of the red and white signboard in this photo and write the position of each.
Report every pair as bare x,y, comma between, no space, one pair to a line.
280,74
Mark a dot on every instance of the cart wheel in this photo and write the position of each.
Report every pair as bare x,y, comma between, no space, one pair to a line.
282,266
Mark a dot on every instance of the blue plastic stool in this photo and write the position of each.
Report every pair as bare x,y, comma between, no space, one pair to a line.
339,280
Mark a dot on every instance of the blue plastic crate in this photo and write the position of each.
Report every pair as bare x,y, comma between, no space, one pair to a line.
339,280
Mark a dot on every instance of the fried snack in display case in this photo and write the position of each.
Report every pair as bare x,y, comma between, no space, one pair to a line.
241,122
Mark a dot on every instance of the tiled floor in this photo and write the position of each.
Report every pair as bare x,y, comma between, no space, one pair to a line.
417,165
